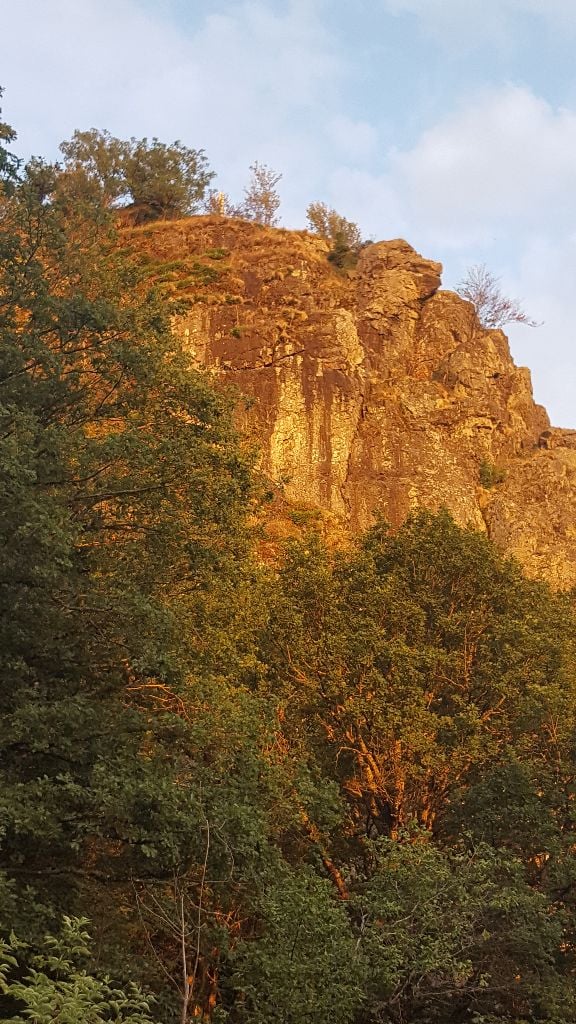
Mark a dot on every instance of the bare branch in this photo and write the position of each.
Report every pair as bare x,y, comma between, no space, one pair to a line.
494,310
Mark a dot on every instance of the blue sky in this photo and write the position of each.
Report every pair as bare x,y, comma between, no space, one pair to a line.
451,123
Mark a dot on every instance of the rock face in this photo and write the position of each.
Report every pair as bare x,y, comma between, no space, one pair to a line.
374,391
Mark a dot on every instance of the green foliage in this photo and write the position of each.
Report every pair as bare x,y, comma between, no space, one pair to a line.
336,789
304,515
96,160
447,934
305,964
343,236
9,163
159,181
54,986
165,181
178,280
490,475
342,256
415,660
124,492
435,685
217,254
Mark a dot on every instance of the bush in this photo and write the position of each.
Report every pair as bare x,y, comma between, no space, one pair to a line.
54,985
343,236
490,475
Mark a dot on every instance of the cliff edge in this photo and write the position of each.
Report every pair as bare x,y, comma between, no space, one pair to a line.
374,391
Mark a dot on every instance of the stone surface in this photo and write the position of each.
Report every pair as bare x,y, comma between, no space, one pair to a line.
374,391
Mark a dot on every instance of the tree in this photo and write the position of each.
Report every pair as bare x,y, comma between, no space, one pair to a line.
458,934
261,201
53,986
158,181
305,964
96,159
436,686
125,490
219,203
9,163
343,236
493,309
413,663
332,227
165,182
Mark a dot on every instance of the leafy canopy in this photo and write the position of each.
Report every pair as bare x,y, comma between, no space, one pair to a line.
54,987
343,236
159,181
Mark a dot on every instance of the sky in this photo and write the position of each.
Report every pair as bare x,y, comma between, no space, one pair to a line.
450,123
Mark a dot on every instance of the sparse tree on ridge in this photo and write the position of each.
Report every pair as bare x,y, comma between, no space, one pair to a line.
342,235
219,203
261,200
332,227
494,310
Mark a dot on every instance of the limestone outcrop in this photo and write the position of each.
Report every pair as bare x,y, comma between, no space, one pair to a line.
373,391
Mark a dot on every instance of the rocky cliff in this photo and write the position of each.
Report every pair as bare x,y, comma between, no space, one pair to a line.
374,390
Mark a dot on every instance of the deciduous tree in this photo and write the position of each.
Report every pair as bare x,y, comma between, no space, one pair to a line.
493,309
9,163
261,200
156,180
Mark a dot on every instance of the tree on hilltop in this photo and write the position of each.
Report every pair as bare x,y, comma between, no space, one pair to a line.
154,180
331,226
165,182
494,310
97,159
261,201
342,235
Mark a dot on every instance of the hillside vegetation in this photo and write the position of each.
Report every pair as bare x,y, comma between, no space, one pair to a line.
334,787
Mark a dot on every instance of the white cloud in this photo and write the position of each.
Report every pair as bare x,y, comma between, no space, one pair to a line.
370,200
353,139
492,182
475,19
501,166
545,279
505,162
246,84
264,81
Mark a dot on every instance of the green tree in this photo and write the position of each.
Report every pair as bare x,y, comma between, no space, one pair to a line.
435,684
124,494
156,180
95,159
9,163
55,986
458,935
305,964
332,227
343,236
165,181
415,660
